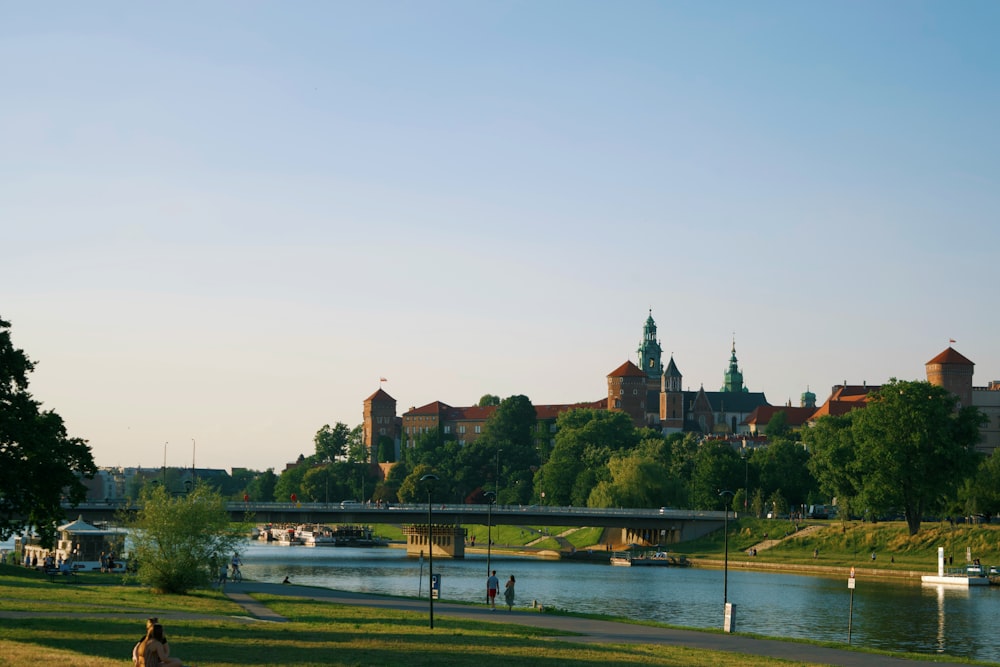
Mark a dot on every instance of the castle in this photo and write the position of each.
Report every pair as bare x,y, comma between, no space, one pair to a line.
653,396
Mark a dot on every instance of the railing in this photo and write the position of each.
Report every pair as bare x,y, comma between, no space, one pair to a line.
239,506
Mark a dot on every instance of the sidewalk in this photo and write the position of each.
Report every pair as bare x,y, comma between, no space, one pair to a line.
581,630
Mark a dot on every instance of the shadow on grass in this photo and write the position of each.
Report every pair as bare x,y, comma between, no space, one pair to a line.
391,641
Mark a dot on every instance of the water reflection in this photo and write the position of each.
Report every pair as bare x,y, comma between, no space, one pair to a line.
889,615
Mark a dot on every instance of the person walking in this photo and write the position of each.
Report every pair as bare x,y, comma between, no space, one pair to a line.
508,593
492,586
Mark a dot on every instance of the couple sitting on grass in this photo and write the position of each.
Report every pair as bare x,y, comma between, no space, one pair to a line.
152,650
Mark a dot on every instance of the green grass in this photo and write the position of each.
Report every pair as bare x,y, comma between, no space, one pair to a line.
846,544
319,633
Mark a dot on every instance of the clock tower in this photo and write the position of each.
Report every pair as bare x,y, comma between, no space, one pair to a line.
649,354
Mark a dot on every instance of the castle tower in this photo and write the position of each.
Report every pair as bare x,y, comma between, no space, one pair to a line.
649,354
808,399
672,399
734,378
379,421
627,392
952,371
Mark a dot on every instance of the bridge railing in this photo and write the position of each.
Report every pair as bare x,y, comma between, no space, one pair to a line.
500,510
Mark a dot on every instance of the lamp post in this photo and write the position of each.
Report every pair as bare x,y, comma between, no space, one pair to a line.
725,568
165,464
497,479
490,497
746,480
429,479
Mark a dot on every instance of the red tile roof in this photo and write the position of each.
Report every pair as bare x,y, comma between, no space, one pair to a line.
380,396
763,414
628,369
950,356
845,398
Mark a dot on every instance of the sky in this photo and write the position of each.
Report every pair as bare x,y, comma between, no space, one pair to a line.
222,223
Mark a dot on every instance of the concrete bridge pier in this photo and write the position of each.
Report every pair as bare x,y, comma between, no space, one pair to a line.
449,541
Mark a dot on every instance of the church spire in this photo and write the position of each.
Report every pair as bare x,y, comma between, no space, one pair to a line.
650,351
733,377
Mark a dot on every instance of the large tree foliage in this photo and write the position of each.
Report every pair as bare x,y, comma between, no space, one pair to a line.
331,442
782,468
980,494
585,441
912,449
176,539
39,463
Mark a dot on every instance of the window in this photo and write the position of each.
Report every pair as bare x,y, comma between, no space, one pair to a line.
479,429
461,429
447,428
618,403
552,427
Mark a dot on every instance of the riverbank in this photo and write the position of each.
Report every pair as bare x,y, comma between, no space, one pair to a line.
298,626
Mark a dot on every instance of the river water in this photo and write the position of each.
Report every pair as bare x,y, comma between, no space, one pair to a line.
893,615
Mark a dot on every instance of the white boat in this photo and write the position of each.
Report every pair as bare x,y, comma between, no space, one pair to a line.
964,577
315,535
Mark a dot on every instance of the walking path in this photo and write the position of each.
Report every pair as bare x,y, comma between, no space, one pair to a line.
578,630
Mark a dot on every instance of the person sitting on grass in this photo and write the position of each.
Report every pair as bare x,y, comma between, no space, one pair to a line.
153,650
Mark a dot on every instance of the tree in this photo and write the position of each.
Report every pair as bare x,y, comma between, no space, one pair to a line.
637,480
489,400
357,451
508,440
783,467
331,442
585,441
261,487
833,460
778,426
175,539
912,448
980,494
716,467
39,463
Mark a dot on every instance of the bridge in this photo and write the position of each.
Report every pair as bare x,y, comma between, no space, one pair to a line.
638,526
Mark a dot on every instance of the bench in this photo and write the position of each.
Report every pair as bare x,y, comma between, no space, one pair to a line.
55,574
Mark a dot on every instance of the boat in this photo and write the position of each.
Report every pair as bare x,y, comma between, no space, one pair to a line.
285,536
656,558
357,536
315,535
965,577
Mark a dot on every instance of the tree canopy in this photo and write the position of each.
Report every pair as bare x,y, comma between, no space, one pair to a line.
911,449
176,539
40,464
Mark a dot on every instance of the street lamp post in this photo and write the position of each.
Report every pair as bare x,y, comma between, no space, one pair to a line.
746,481
490,497
497,479
165,464
429,479
727,625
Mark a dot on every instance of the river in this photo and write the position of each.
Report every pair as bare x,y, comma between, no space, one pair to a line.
892,615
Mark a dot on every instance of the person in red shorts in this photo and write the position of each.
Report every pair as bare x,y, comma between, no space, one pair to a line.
492,586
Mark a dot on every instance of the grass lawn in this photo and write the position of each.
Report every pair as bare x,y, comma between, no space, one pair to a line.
319,633
851,543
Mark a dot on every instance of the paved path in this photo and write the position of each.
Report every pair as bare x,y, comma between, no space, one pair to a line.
579,630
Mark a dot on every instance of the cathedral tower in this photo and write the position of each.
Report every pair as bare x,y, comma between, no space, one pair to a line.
734,378
649,354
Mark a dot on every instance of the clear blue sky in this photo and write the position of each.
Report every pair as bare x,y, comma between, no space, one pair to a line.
225,221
